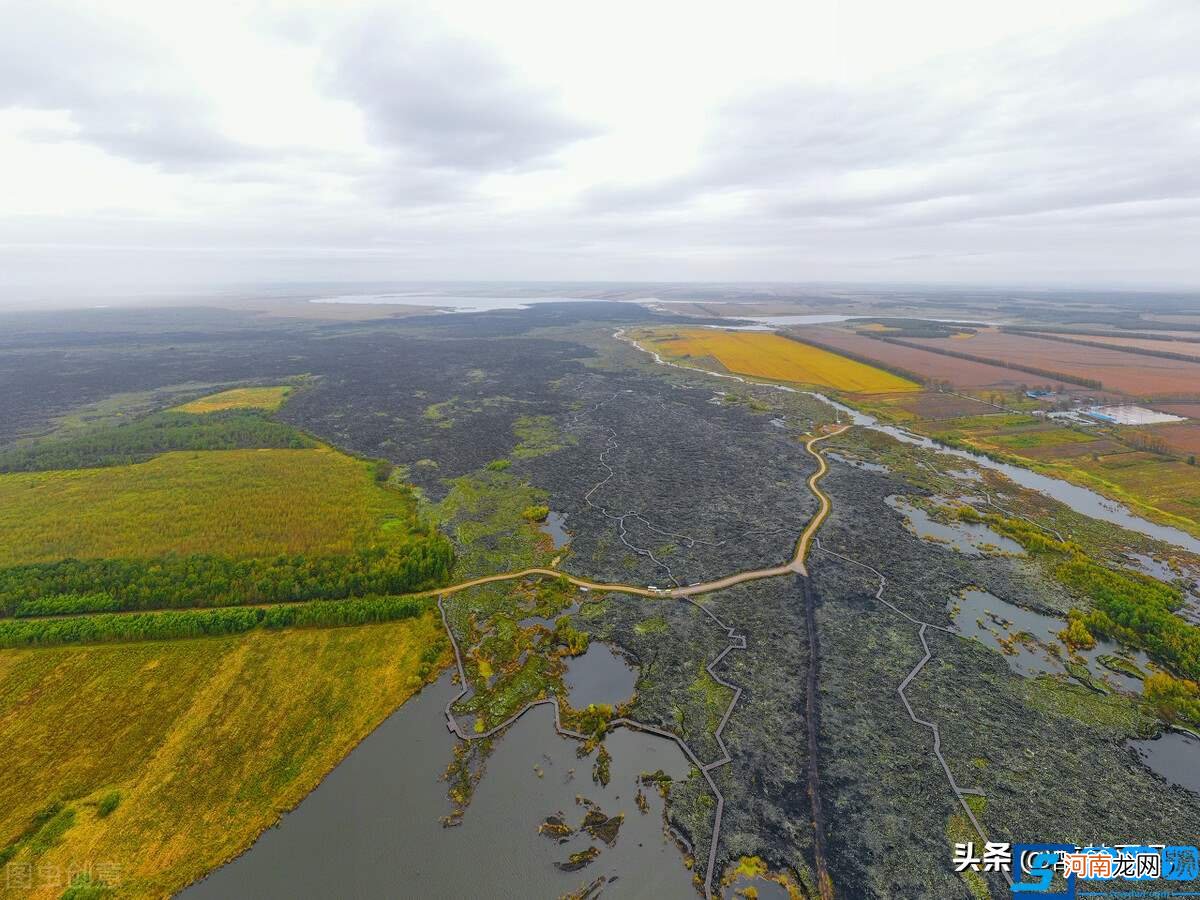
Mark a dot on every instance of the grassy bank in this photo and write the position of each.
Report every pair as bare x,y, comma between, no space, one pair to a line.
204,742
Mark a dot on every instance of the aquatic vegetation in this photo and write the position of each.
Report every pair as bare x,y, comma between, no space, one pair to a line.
1174,699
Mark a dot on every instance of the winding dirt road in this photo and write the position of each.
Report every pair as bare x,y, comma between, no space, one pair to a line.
793,567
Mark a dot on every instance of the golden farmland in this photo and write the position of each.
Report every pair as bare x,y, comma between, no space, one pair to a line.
241,503
205,741
268,398
763,355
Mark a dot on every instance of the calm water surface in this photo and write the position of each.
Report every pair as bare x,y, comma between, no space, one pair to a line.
372,829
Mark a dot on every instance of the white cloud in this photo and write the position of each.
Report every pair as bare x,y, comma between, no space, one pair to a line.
925,141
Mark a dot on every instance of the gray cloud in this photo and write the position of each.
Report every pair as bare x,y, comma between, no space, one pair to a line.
1064,157
117,90
1111,118
443,102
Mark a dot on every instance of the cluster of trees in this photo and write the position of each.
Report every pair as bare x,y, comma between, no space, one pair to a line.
423,560
1129,607
1175,699
1137,611
1144,440
921,328
67,604
148,437
971,357
167,624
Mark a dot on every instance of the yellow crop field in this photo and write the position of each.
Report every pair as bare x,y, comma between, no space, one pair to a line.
238,398
241,503
166,759
771,356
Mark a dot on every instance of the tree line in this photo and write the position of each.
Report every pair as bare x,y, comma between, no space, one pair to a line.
192,623
1099,345
423,560
148,437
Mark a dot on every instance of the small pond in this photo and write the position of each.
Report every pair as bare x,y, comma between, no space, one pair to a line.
555,526
968,538
372,828
1175,756
857,463
548,621
764,889
600,675
997,623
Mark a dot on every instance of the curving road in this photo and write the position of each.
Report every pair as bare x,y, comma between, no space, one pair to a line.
795,566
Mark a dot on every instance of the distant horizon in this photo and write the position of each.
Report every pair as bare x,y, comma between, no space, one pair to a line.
1017,146
149,296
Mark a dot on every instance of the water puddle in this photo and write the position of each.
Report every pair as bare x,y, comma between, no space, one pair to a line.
1030,643
968,538
1175,756
555,526
759,888
858,463
964,474
547,621
1155,568
599,676
372,828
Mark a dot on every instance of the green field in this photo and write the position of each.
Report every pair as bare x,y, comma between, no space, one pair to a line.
204,742
268,398
239,503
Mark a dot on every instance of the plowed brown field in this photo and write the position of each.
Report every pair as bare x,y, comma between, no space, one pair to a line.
1129,373
961,373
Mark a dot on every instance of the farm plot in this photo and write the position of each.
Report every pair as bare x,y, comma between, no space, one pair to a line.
268,398
962,374
242,503
1129,373
770,356
1183,347
1182,437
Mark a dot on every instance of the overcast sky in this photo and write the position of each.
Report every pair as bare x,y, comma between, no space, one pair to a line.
1044,142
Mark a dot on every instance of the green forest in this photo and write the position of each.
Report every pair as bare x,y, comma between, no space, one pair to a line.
423,559
155,434
191,623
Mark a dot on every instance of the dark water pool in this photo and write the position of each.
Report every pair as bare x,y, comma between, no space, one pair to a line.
599,676
1175,756
372,828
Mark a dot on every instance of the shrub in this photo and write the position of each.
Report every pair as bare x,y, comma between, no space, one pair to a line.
107,804
536,513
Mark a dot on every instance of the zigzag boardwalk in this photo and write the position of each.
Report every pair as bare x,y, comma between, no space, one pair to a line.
795,566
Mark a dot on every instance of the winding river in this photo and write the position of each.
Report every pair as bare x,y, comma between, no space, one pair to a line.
1081,499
